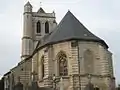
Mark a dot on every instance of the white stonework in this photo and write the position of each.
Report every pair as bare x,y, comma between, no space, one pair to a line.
101,75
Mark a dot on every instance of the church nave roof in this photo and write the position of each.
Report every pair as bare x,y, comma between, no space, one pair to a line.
70,28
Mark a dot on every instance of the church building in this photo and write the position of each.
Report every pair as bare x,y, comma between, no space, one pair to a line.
64,56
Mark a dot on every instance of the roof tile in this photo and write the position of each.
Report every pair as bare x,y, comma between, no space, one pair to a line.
71,28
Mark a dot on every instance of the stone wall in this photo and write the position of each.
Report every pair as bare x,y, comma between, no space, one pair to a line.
102,63
22,71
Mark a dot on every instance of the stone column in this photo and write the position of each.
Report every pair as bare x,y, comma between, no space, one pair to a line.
74,63
48,67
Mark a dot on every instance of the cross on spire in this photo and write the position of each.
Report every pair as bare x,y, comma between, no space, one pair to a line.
40,4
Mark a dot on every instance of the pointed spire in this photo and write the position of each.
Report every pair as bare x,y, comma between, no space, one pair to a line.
54,21
53,11
41,10
28,4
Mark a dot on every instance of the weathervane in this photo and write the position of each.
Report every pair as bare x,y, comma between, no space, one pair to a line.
40,4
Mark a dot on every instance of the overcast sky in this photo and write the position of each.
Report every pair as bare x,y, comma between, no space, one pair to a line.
102,17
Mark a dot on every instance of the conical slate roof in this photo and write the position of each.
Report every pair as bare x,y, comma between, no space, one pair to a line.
71,29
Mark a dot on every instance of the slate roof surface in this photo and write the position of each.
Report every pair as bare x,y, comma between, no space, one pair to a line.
71,29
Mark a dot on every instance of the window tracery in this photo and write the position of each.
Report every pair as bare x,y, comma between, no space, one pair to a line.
62,59
38,27
46,27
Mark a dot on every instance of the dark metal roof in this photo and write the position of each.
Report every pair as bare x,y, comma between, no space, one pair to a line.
71,29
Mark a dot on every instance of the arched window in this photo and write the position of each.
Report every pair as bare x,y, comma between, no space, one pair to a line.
38,27
88,61
62,61
42,68
47,27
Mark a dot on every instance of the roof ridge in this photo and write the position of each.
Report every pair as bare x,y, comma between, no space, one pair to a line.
71,28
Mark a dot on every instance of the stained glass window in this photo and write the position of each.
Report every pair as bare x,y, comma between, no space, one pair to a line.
38,27
47,27
62,58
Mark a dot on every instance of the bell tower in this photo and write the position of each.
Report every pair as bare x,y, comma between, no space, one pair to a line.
27,39
36,26
43,23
